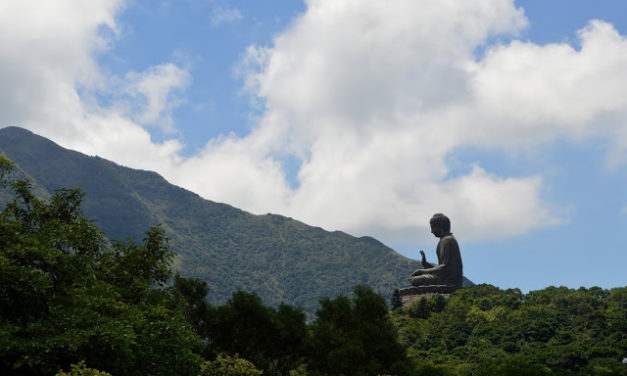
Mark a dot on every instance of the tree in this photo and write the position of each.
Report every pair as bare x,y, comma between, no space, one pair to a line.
396,301
225,365
81,369
419,309
273,339
423,308
6,166
190,297
67,295
514,366
355,336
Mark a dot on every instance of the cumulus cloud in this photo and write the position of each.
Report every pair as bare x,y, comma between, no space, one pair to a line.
47,51
50,78
526,93
373,96
370,97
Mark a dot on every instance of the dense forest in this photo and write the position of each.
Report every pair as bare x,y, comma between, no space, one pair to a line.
483,330
73,302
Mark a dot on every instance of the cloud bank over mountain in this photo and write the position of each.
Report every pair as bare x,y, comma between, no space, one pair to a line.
362,101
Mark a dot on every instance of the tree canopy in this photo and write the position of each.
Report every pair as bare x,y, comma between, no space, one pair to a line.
356,337
483,330
69,295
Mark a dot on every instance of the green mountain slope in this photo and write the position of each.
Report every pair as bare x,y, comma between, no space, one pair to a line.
279,258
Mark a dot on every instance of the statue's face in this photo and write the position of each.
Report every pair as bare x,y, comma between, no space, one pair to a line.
437,231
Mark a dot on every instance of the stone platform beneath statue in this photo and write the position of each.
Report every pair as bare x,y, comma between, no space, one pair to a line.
411,294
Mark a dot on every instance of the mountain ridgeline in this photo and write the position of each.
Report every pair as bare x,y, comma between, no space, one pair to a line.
281,259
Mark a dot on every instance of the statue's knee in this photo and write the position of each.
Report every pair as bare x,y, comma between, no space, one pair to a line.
419,281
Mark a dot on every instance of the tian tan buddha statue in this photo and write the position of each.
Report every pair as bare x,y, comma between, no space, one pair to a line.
448,271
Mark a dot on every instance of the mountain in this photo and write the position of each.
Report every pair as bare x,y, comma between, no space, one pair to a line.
280,258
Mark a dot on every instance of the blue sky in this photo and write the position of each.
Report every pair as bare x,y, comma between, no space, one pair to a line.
360,116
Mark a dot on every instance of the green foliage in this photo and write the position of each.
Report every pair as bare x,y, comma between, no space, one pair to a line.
273,339
419,309
189,295
136,269
300,371
396,301
429,369
483,330
514,366
67,295
355,336
350,336
81,369
423,308
6,166
225,365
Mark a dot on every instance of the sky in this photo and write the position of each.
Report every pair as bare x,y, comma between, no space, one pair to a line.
364,116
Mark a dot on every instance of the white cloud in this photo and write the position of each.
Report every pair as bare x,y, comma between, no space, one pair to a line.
156,85
525,93
49,76
371,96
47,50
221,15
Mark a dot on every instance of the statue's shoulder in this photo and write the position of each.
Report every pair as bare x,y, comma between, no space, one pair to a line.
449,239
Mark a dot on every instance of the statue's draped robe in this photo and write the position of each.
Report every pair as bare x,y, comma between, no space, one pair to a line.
449,270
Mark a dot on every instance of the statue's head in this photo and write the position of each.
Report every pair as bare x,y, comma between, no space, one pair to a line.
440,225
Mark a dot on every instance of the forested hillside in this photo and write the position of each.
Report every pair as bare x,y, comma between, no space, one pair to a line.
279,258
483,330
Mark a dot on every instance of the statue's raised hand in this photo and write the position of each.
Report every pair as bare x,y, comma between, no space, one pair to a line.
424,258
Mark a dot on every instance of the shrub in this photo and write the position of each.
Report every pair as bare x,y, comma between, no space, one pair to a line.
81,369
225,365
